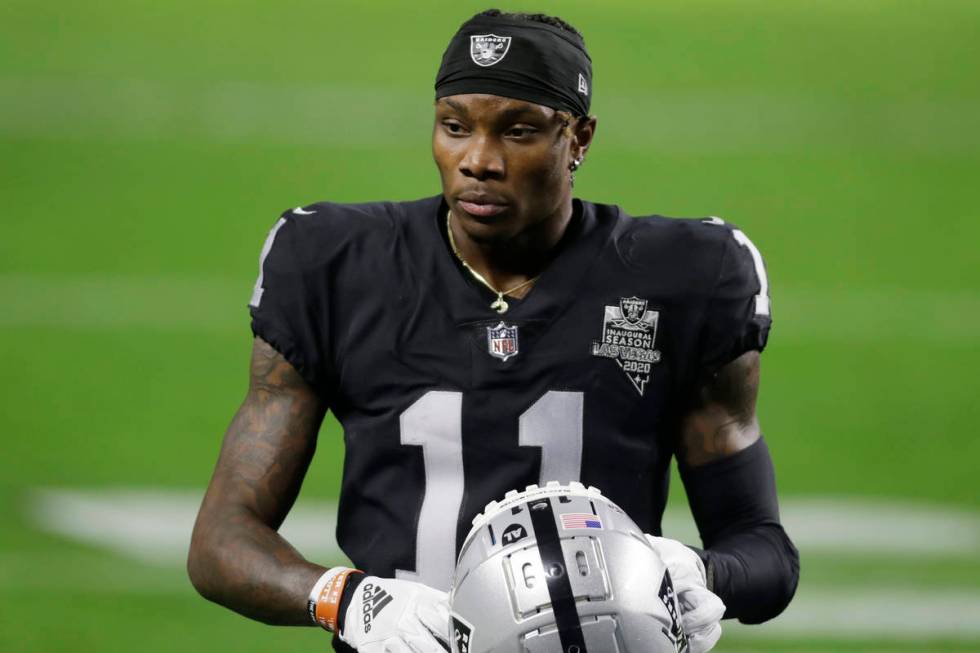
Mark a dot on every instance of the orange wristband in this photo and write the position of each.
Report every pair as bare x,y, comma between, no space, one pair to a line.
327,604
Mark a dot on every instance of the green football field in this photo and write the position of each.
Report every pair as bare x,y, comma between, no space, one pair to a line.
146,148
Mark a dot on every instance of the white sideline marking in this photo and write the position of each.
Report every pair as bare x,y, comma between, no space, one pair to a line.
716,120
155,525
854,614
861,526
803,314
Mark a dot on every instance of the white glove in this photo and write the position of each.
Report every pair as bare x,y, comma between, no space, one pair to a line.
386,615
701,610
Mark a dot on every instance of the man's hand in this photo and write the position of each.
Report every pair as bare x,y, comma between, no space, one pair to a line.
701,610
386,615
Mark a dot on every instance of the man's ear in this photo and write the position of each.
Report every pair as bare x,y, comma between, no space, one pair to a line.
584,132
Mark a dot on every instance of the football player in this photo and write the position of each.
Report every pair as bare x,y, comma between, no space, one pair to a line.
500,334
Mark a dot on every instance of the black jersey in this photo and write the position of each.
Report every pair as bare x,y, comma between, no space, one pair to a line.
447,404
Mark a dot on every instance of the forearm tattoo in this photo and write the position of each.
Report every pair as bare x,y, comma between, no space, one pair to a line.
237,557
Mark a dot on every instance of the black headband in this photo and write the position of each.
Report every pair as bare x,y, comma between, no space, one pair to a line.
521,59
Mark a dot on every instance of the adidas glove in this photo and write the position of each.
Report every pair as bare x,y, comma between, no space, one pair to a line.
701,610
382,615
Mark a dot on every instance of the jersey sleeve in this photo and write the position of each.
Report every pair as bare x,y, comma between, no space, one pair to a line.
737,316
285,308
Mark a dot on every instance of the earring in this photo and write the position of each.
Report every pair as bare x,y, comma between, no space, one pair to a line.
572,167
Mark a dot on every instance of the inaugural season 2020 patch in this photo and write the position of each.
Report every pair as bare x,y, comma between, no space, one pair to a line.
629,334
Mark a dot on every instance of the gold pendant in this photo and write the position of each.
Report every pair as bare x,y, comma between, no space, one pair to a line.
500,305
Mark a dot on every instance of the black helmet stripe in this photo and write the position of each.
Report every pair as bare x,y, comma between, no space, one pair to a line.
556,574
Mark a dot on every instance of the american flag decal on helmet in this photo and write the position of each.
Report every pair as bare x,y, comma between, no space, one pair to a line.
572,520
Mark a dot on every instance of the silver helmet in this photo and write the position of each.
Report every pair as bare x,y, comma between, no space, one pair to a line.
561,569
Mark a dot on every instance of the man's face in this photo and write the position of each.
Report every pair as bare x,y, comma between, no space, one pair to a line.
504,163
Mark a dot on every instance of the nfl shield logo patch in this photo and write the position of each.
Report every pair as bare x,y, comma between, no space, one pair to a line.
488,49
502,341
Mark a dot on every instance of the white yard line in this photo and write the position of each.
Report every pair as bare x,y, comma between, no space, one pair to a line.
154,526
801,314
850,613
854,526
708,121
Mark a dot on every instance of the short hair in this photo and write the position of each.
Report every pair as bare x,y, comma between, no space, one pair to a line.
554,21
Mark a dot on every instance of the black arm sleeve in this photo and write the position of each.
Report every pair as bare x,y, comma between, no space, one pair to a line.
751,562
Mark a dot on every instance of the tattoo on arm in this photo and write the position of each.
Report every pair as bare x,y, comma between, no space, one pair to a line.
237,558
723,421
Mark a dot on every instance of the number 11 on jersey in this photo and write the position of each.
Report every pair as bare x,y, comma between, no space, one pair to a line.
434,422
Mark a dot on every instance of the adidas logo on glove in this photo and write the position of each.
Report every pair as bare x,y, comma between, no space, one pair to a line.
373,601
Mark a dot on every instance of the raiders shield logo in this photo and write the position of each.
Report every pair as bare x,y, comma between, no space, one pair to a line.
462,635
633,309
488,49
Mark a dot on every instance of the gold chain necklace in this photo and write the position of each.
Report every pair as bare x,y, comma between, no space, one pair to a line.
500,304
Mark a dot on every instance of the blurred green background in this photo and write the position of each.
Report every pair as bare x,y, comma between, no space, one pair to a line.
146,148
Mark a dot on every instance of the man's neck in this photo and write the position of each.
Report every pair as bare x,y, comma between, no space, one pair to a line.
510,262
